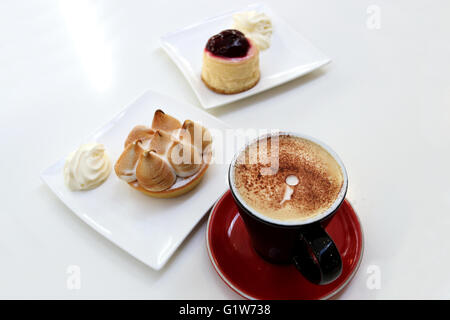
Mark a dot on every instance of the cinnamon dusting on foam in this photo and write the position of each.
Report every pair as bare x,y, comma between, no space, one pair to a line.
319,179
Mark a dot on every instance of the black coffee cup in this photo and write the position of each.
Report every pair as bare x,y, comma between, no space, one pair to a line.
304,243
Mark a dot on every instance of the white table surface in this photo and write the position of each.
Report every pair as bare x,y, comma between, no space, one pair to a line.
383,104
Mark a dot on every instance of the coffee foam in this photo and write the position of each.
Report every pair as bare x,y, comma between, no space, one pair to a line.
320,178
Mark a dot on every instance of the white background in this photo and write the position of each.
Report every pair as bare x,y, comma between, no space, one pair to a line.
383,105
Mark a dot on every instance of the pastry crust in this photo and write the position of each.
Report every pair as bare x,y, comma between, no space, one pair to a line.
181,187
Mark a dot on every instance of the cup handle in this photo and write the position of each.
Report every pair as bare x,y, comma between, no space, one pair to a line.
316,256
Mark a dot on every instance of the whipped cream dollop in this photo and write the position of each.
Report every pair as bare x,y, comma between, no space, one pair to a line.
255,25
87,167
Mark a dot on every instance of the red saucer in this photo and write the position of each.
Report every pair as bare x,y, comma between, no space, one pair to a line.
244,271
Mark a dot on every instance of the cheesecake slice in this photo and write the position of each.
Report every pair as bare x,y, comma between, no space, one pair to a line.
230,63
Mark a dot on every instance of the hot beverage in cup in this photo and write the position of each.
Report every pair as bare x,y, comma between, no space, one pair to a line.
306,183
285,185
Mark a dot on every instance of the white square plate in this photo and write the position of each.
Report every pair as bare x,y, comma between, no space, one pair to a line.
289,56
149,229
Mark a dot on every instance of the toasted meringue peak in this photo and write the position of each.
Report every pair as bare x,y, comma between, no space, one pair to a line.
160,142
139,133
195,134
154,157
162,121
125,166
184,158
153,172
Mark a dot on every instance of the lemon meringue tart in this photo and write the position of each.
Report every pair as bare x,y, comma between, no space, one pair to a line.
167,159
230,63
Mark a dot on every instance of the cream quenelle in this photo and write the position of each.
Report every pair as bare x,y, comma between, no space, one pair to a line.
87,167
255,25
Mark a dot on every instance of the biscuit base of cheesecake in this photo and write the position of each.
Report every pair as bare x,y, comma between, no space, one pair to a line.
239,90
